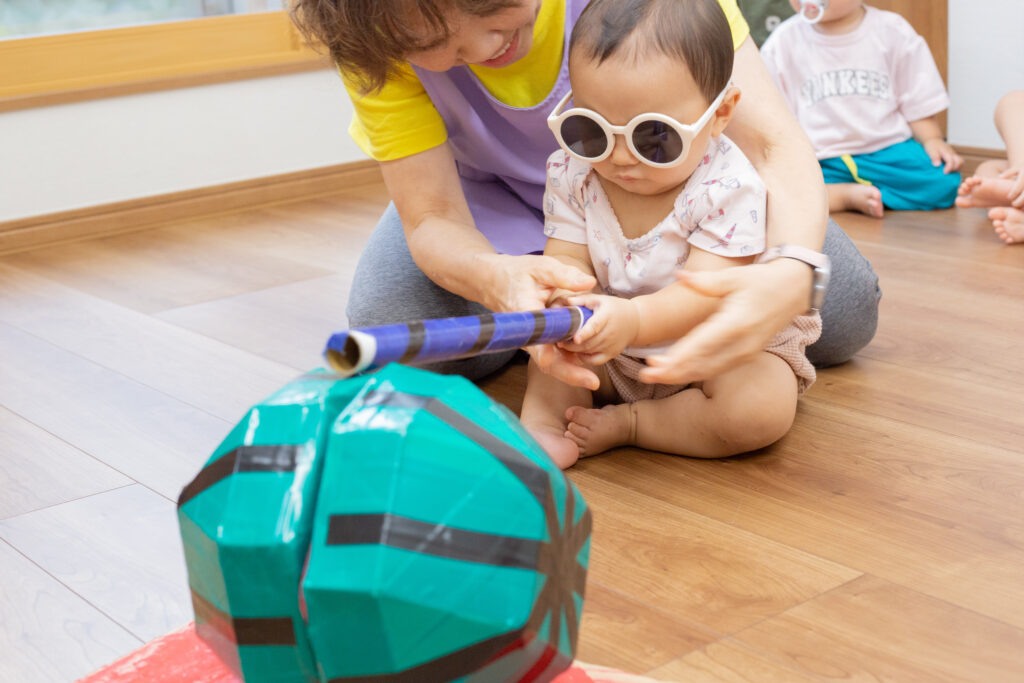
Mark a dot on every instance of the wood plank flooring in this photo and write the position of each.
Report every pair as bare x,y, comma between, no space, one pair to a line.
881,539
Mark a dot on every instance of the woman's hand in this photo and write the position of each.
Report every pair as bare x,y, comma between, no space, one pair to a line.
1016,194
564,366
757,302
527,283
611,329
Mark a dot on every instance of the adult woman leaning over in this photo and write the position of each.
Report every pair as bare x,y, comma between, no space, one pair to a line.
452,98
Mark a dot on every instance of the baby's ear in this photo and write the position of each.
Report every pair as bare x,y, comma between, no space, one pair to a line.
725,110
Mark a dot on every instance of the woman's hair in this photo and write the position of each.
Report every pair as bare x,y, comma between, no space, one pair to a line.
370,39
695,31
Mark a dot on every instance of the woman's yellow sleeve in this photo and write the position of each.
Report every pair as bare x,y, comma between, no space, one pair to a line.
397,121
737,23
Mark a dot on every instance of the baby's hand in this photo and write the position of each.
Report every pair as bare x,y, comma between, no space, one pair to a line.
941,152
560,297
612,328
1016,194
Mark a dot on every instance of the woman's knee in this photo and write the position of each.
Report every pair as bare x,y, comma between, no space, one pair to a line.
850,313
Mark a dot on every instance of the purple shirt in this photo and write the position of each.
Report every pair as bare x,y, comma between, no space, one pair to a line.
500,151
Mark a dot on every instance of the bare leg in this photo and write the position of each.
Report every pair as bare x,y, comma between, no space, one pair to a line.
855,197
1010,123
985,188
744,409
991,168
1008,223
544,406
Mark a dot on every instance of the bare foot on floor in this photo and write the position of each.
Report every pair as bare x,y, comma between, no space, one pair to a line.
977,191
1009,224
856,197
595,430
555,442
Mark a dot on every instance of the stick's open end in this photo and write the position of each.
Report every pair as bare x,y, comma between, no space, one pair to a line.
355,354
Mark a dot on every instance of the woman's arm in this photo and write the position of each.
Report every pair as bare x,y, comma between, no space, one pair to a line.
768,133
449,249
759,300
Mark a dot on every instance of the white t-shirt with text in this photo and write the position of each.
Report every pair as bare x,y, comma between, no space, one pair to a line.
855,93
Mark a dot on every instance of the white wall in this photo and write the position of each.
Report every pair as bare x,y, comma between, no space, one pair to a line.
986,60
90,153
103,151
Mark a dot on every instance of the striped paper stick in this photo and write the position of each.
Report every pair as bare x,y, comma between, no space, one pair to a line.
438,339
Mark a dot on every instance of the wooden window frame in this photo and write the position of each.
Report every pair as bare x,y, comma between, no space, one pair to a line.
70,67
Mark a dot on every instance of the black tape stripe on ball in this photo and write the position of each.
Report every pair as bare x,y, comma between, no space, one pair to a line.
269,458
433,539
244,630
525,470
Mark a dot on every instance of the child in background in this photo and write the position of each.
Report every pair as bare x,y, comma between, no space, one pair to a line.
1000,184
866,90
633,195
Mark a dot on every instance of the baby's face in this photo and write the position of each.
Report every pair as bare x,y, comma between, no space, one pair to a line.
835,10
621,88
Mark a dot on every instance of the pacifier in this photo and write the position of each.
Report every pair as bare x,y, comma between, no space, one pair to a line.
812,11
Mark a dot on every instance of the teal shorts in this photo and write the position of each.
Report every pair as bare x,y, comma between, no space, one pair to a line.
903,173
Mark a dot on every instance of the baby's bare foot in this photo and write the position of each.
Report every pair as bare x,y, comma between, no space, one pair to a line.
555,443
856,197
984,192
596,430
1009,224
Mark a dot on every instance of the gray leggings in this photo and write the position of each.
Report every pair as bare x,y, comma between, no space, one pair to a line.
388,287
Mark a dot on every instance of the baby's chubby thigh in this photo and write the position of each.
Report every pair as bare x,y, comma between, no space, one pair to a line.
751,406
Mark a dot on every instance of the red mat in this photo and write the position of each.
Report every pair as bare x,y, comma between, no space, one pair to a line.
181,656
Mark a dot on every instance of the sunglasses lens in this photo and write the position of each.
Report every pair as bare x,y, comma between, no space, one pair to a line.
658,142
584,136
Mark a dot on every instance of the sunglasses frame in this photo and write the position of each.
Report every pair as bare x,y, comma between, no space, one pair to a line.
686,132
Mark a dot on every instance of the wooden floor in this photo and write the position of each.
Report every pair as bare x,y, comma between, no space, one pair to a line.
882,539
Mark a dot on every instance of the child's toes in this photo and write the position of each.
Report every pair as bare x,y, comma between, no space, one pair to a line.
577,430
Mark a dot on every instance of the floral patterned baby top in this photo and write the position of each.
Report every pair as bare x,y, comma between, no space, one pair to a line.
720,209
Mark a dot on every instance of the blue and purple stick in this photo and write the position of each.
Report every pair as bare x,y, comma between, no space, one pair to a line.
429,341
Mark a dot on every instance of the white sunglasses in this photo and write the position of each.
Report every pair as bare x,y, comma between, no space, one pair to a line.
655,139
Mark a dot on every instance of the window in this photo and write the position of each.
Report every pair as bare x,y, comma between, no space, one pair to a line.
23,18
68,50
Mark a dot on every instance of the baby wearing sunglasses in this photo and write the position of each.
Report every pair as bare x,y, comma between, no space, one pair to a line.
645,183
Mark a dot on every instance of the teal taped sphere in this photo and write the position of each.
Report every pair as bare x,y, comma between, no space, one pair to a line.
446,545
246,520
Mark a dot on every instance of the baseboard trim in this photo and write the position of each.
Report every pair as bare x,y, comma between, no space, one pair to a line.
973,156
138,214
982,152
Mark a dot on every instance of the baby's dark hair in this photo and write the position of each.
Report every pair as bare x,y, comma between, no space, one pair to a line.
370,39
696,31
